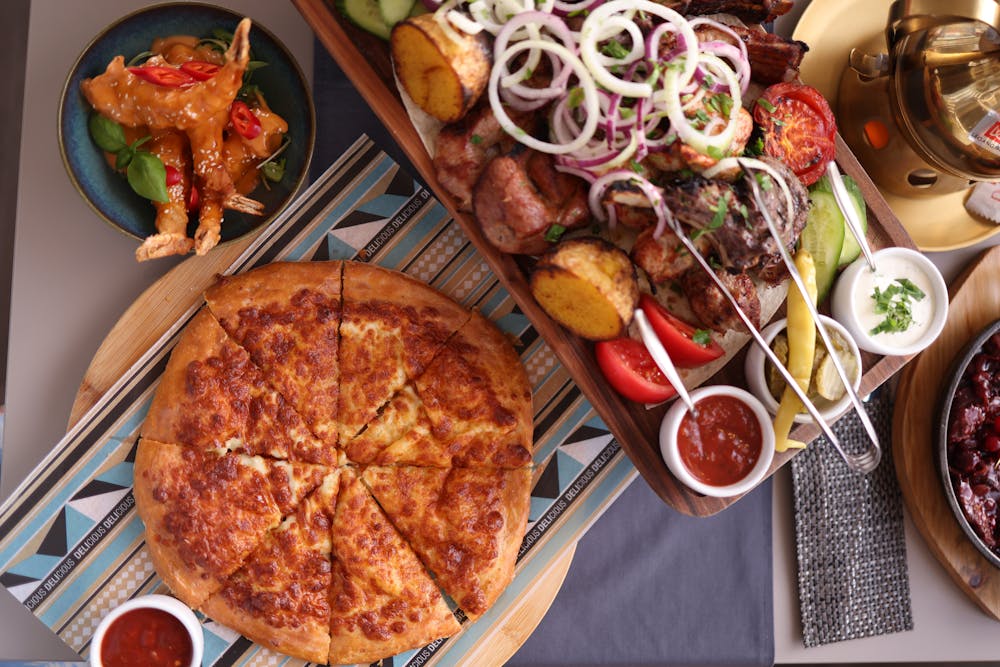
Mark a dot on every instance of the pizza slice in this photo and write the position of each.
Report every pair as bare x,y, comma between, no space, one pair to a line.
466,524
280,597
205,511
393,326
212,395
470,408
287,316
382,600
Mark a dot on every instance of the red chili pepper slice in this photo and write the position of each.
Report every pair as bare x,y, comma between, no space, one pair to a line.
193,199
173,175
168,77
244,121
200,70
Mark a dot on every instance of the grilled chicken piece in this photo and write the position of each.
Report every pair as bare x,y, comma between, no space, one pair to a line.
466,147
710,305
521,195
742,242
665,259
680,156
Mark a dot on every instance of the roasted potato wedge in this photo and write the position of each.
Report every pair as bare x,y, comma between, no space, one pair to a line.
442,75
589,286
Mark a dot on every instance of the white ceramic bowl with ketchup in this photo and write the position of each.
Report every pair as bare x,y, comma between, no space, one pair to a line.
150,630
736,441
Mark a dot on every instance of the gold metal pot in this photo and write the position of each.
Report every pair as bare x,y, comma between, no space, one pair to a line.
921,109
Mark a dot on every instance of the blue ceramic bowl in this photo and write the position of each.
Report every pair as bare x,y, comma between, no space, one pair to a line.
282,82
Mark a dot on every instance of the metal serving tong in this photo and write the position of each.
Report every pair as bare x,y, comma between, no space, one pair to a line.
863,463
868,460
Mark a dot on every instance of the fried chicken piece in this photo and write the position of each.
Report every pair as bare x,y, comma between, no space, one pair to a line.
171,146
520,196
712,307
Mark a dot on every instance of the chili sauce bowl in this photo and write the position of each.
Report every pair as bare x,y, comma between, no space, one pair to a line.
852,301
733,471
282,82
179,621
756,365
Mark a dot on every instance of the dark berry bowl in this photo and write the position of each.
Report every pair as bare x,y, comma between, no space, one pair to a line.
968,441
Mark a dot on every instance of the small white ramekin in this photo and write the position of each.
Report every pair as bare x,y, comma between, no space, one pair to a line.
755,363
842,303
172,606
671,454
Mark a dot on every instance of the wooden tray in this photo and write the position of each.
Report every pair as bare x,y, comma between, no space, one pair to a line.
364,58
975,303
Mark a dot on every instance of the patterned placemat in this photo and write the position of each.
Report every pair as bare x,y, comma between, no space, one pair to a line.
853,579
71,543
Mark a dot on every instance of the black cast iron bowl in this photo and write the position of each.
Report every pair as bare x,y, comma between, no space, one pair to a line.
956,372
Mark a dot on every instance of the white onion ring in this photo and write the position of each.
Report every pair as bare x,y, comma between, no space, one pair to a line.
585,81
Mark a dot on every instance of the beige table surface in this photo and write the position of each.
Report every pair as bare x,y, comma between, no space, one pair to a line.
73,277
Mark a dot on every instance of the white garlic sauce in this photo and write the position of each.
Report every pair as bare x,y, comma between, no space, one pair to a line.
890,269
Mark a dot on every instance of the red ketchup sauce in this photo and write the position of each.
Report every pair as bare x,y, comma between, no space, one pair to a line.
723,444
147,637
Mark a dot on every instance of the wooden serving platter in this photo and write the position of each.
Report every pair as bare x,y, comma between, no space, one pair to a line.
364,58
163,304
975,303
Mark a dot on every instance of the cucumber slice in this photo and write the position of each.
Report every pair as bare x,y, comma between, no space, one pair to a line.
852,249
366,15
823,237
394,11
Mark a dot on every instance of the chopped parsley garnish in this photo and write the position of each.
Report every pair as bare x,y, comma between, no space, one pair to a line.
554,233
614,49
764,180
721,209
768,107
578,12
895,302
755,147
575,97
721,103
715,152
702,337
476,139
702,116
636,167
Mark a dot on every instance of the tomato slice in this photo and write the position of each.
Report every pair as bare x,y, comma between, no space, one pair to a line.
168,77
798,127
244,121
678,337
630,369
200,70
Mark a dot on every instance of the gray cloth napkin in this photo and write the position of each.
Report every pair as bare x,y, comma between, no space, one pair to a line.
853,579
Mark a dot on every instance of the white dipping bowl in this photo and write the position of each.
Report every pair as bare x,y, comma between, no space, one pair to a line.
845,293
756,362
172,606
671,454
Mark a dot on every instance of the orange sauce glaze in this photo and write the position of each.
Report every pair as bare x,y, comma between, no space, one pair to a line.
722,445
148,637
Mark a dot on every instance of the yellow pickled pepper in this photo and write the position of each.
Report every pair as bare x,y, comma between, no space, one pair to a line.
801,349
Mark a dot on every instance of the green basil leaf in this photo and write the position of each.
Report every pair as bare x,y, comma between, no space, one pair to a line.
106,133
124,158
148,177
222,35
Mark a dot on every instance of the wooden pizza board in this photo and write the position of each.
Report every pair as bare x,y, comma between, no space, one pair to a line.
162,304
975,303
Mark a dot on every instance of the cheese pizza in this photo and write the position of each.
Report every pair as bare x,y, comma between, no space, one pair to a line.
325,438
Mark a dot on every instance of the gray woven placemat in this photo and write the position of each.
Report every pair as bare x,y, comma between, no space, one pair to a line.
853,579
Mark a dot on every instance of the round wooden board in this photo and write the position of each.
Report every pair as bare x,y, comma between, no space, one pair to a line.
162,304
975,303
